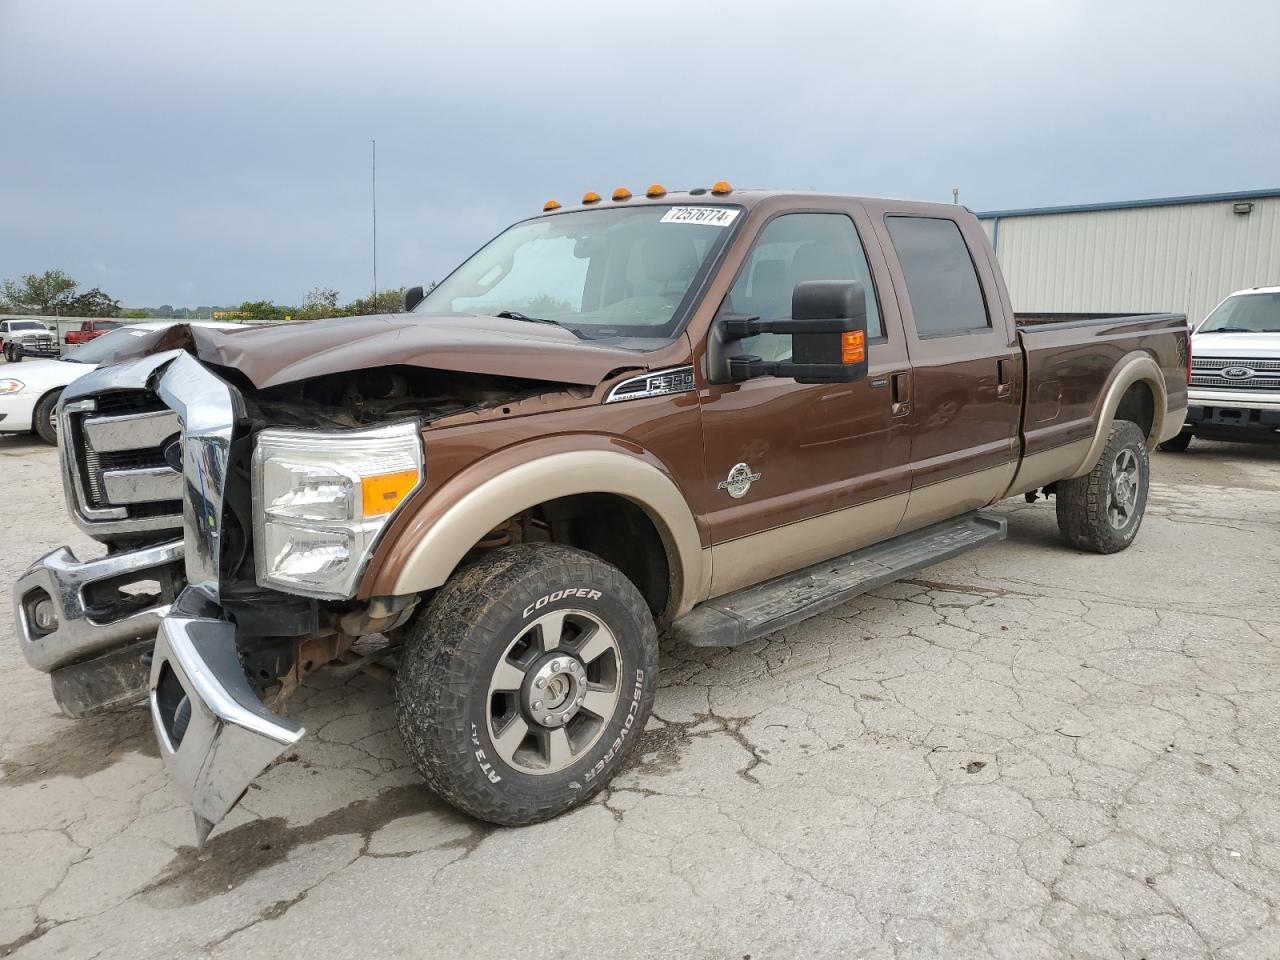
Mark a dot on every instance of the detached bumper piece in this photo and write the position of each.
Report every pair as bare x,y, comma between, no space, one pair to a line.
88,624
215,734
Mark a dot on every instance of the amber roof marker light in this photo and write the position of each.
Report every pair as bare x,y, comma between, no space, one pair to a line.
721,187
591,197
655,190
551,205
621,194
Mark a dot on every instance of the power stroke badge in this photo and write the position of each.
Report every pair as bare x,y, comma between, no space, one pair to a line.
738,482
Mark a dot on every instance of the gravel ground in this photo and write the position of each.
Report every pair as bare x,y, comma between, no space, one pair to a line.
1024,752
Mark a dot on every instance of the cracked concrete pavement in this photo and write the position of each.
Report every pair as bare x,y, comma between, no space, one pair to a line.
1024,752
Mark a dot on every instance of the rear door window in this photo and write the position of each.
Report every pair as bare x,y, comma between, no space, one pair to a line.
942,284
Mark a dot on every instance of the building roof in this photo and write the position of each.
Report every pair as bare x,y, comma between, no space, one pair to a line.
1133,204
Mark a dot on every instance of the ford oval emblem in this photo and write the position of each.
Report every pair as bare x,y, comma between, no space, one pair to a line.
173,455
1237,373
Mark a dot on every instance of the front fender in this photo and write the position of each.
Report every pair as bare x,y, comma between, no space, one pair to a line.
457,516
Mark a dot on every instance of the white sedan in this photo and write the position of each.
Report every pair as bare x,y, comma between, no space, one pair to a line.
29,398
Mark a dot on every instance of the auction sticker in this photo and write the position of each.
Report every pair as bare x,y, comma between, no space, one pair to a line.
707,216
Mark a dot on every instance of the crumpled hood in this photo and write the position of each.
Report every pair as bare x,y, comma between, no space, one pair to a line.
287,352
1260,345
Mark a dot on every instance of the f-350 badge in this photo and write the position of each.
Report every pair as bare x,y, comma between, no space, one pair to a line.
739,481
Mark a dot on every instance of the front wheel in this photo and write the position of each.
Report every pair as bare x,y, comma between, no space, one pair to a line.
526,683
44,419
1102,510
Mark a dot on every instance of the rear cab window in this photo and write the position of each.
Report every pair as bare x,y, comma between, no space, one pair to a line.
942,283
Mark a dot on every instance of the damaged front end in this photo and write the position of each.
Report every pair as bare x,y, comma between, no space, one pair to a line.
238,516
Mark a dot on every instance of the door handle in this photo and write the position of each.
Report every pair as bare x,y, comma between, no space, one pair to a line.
900,389
1004,385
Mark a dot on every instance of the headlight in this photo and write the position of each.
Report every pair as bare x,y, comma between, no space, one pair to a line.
10,386
320,499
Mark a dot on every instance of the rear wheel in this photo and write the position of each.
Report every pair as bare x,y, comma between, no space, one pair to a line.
1178,444
1102,510
526,682
44,419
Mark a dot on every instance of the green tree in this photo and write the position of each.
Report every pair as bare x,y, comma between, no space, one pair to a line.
135,313
44,294
319,303
91,303
387,301
262,311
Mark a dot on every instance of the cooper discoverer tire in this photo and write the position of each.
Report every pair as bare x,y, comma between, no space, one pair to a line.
525,684
1102,510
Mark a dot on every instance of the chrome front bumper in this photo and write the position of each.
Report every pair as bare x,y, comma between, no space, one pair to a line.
215,735
75,620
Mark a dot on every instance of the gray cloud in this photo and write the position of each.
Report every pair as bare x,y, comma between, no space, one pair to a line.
175,153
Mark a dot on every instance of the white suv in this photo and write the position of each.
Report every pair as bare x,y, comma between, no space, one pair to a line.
1235,372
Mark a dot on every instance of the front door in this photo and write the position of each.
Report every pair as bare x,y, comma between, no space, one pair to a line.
800,473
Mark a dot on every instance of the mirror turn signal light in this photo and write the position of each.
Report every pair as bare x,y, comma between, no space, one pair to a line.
622,193
656,190
721,187
853,346
591,197
551,205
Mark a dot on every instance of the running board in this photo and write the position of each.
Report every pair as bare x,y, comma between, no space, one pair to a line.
757,611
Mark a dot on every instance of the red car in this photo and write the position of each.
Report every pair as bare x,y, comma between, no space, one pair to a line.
91,330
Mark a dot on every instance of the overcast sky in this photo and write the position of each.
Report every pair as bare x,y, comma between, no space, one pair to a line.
207,153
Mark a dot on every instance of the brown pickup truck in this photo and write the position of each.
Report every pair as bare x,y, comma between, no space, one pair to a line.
712,413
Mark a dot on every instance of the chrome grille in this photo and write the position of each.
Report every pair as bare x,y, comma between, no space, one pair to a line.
1255,374
114,454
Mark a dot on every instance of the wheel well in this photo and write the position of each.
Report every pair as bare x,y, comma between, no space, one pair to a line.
1139,405
612,527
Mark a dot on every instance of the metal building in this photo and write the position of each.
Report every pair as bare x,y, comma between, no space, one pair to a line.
1174,254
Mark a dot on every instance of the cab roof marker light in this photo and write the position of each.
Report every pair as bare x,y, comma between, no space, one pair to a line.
590,197
621,194
655,190
551,205
721,187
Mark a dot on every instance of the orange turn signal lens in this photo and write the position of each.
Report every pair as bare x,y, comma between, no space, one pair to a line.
551,205
622,193
656,190
853,346
721,187
591,197
382,494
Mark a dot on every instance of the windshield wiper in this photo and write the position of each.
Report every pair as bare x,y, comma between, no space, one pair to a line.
517,315
1233,330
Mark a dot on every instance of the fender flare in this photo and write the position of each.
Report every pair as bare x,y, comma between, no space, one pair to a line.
1137,368
472,503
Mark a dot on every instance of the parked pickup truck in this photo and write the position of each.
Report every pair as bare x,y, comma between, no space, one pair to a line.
1235,372
713,413
90,330
26,338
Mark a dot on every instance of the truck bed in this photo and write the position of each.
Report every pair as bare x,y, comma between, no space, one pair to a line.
1071,361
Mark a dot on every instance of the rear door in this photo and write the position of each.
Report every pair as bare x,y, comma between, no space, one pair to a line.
966,364
821,468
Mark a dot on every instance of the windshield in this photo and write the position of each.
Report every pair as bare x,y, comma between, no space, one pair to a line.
95,351
1246,313
612,272
28,325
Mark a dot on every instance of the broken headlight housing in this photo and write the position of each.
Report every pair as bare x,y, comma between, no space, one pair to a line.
320,499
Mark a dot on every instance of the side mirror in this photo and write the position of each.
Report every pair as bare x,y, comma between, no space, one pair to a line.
828,330
412,297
